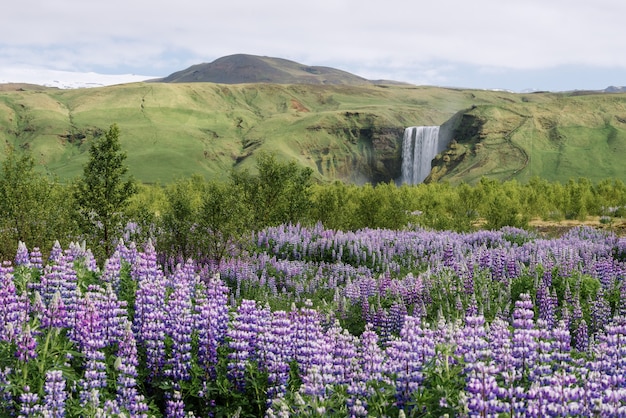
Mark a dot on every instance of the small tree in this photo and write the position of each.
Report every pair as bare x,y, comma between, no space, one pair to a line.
279,193
102,193
33,208
224,218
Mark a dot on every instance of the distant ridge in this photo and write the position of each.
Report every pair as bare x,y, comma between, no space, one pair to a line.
244,68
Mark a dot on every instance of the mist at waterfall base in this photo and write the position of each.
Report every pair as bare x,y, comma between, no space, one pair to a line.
420,145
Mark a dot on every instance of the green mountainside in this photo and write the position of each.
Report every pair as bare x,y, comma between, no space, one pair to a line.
347,132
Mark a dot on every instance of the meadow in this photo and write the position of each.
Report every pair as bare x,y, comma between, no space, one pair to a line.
347,133
307,321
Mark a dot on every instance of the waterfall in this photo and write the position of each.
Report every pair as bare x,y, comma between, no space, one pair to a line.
420,145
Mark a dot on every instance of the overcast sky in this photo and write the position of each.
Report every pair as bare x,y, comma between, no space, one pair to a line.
510,44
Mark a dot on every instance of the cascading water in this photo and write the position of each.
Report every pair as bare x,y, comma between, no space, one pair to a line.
420,145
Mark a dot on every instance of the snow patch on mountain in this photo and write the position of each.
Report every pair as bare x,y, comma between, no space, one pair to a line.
67,79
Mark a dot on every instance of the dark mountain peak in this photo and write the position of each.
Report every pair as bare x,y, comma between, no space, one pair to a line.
244,68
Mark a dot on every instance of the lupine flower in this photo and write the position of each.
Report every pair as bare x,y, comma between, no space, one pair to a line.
243,338
22,257
149,320
211,320
308,337
54,401
179,324
88,334
126,366
29,406
276,344
26,345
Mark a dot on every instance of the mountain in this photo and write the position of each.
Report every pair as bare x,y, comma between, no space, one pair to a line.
343,132
243,68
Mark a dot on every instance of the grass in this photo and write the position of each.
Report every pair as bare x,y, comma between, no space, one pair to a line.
174,130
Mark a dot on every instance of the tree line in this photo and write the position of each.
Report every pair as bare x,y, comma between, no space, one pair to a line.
196,217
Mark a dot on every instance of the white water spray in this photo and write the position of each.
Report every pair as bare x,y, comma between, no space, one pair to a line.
420,145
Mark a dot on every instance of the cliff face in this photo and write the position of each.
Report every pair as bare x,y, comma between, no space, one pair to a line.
361,150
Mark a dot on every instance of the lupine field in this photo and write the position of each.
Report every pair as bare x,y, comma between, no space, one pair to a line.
313,322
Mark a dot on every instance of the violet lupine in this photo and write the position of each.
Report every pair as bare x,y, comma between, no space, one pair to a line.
112,270
524,344
600,312
36,258
175,407
343,354
26,345
11,317
308,336
276,344
179,323
61,277
56,395
112,312
482,391
406,357
149,319
89,337
211,321
22,257
53,316
243,338
581,337
6,396
547,307
55,252
29,404
126,364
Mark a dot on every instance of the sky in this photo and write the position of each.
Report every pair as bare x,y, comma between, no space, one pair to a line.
518,45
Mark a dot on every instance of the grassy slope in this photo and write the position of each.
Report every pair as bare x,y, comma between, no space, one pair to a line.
556,137
173,130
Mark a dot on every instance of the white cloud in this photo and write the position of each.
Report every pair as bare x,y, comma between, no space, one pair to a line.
396,39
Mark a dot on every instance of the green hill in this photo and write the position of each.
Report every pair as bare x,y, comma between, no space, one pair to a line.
352,133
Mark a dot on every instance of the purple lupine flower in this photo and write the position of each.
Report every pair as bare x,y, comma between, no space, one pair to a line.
524,343
600,312
56,252
547,308
29,403
308,336
61,277
112,270
276,343
6,396
175,408
112,312
149,319
55,315
36,259
126,366
88,335
407,356
26,345
211,320
343,353
22,258
370,357
179,324
11,316
482,389
54,400
243,338
581,337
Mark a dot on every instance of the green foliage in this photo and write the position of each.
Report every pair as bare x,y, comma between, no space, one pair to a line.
279,193
102,194
224,218
33,209
180,216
